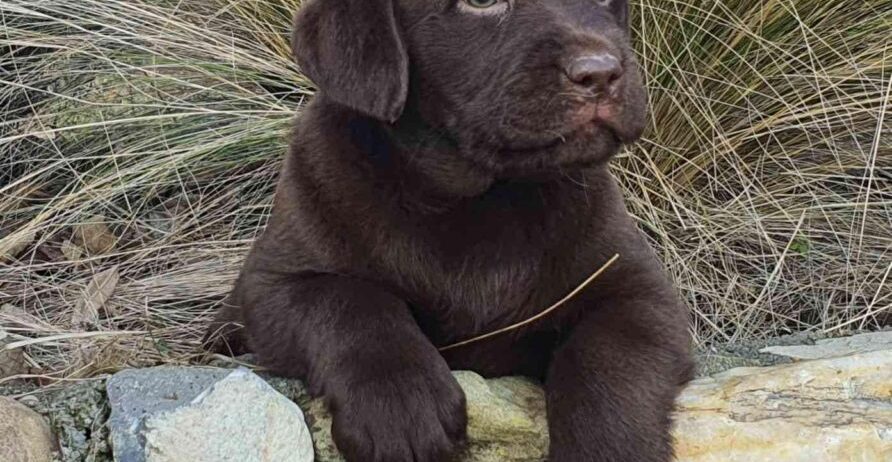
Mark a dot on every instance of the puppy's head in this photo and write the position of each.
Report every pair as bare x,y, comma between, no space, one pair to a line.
521,85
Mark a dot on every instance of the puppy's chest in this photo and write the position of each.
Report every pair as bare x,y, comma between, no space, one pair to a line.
460,296
464,280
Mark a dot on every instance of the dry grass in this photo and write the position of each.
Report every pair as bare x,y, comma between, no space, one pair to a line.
141,138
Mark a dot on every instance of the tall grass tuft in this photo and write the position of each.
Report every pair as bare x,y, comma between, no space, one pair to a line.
157,126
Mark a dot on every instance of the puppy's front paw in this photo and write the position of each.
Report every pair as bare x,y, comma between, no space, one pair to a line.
416,416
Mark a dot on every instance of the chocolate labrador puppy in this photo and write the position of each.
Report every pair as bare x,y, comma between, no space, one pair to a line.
450,179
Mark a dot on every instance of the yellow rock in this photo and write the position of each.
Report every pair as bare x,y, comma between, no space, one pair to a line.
506,419
828,410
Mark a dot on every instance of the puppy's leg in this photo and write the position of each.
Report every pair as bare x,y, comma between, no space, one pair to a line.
391,394
612,385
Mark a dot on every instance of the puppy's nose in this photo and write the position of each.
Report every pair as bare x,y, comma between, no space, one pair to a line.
596,72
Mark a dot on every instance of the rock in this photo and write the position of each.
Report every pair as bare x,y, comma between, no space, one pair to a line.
203,414
711,363
24,435
137,393
824,410
835,347
506,420
240,418
828,410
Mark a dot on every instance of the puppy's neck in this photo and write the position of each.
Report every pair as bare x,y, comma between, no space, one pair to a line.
427,164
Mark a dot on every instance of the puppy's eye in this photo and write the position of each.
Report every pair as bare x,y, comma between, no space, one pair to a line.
482,3
484,7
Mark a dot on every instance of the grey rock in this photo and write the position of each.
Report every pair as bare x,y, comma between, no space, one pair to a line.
24,434
135,394
203,414
239,419
835,347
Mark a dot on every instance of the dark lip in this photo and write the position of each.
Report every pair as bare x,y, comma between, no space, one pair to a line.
534,160
562,138
535,147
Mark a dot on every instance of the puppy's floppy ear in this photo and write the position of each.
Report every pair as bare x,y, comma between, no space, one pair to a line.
353,51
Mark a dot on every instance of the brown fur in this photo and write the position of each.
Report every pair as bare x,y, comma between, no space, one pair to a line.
449,180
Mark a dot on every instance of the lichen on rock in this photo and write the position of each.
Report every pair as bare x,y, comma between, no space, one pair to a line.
77,416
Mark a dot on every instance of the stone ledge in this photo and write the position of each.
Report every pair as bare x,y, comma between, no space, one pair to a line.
834,408
826,410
